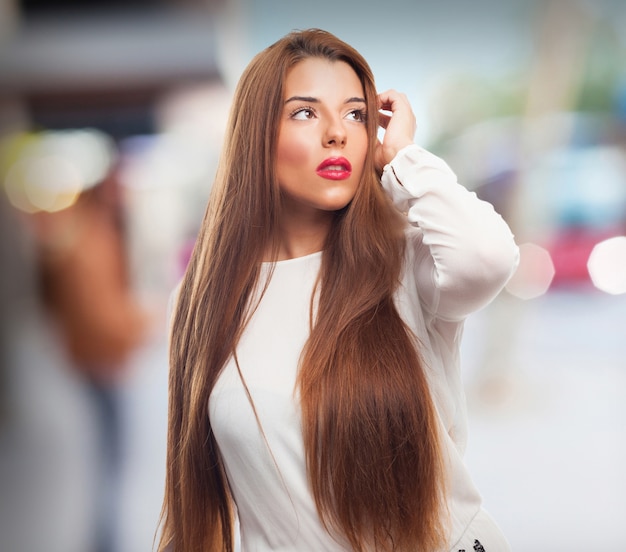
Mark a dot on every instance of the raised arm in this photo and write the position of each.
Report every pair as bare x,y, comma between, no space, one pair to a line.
464,252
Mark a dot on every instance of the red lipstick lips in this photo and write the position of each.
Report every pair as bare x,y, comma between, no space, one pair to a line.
334,168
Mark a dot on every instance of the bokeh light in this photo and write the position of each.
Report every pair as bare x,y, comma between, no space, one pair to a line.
534,273
47,171
607,265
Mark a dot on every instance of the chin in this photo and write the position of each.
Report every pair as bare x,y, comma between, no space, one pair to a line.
337,206
338,203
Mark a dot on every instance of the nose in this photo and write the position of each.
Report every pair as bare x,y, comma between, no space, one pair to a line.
335,134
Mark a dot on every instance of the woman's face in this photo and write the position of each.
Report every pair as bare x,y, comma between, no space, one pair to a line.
322,137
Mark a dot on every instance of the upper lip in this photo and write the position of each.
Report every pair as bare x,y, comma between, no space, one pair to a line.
341,162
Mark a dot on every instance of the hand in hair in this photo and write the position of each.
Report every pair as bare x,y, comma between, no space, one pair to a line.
399,127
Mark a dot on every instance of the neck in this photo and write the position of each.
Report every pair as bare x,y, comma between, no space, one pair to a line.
303,233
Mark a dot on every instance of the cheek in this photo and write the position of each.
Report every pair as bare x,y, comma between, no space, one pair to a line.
362,153
292,150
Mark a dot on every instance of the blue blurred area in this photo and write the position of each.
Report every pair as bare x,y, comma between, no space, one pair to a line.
111,121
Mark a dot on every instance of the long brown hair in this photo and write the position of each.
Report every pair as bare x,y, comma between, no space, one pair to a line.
370,428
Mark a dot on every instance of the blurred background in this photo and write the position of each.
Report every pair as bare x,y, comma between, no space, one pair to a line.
111,120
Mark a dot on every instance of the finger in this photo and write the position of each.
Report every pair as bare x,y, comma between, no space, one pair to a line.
379,100
383,120
391,99
386,99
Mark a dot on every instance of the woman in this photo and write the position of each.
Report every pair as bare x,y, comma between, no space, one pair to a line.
315,395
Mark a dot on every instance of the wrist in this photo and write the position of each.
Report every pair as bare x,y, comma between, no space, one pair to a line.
392,151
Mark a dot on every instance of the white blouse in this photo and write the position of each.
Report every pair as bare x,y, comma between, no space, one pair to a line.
460,254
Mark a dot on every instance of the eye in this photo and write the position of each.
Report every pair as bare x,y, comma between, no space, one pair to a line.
303,114
357,115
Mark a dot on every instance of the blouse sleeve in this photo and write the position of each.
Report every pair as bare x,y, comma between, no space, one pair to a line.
463,251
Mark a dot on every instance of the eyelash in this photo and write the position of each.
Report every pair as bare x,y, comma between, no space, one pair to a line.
361,115
300,110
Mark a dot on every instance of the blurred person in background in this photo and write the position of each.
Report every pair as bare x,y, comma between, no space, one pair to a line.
70,325
85,284
85,288
315,391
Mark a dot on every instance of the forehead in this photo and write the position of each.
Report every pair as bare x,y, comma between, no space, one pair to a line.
322,78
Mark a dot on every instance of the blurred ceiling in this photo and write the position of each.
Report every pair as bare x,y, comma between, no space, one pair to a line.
104,67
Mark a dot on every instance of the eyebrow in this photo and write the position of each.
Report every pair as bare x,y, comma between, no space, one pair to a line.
311,99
